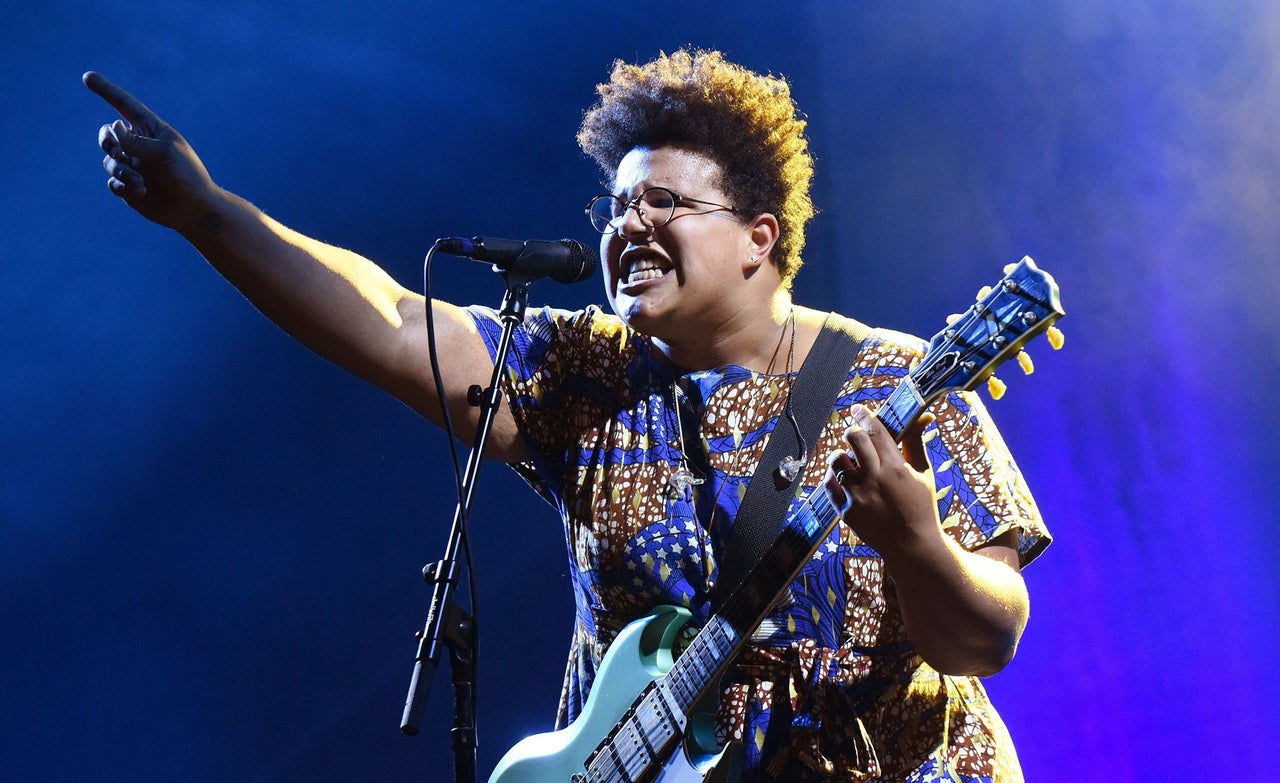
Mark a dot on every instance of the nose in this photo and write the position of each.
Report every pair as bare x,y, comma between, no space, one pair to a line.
631,222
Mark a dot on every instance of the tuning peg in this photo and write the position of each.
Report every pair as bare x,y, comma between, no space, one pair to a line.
1056,337
995,387
1024,361
983,291
1009,268
954,317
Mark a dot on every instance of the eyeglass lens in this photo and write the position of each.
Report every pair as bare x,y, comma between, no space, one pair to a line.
655,205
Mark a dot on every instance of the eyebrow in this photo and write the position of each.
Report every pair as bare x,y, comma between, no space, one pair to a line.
644,185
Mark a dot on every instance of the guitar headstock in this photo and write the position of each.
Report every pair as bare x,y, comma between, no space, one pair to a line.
1024,304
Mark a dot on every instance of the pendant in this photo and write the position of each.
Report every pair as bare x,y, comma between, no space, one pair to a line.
789,468
681,481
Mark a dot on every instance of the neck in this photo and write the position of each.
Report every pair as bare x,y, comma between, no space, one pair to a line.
755,338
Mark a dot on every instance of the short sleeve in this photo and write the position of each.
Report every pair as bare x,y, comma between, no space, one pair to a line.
981,493
565,372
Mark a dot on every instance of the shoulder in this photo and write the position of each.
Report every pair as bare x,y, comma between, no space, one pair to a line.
878,346
590,329
571,345
588,323
553,324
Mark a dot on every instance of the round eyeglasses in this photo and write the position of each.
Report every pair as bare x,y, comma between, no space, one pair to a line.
655,206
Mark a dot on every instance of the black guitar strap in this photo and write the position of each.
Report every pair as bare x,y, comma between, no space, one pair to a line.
764,506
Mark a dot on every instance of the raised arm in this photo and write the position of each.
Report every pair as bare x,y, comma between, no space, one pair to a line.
336,302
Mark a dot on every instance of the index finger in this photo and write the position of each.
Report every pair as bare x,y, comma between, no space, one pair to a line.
132,109
862,438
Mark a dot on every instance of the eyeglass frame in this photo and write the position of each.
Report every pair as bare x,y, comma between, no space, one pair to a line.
617,220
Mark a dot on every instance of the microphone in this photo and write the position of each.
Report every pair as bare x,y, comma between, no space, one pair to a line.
566,260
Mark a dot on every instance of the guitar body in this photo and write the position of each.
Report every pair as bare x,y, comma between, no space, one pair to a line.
639,655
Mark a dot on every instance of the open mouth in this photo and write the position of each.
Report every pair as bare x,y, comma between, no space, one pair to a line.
647,267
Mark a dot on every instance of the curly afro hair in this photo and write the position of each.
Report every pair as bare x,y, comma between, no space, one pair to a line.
744,121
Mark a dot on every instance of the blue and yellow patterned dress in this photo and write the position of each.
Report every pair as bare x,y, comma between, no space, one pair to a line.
830,687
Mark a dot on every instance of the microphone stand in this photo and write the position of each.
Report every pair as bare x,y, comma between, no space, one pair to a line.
447,623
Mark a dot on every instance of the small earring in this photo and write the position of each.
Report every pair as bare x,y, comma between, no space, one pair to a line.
755,260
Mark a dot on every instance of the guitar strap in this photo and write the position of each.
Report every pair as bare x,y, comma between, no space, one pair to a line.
768,497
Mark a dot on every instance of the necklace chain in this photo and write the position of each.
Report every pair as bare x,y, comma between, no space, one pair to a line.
789,467
683,479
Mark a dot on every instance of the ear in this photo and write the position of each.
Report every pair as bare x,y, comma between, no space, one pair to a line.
762,235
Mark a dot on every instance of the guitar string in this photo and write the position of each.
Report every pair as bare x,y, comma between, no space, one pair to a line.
650,708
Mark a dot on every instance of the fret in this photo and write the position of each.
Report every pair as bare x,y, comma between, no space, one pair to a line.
682,688
698,665
901,407
723,634
690,685
685,680
704,657
814,514
671,707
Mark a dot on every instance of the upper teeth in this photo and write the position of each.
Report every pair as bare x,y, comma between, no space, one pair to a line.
643,265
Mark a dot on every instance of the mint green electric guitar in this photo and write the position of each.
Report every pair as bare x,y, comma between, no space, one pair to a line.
643,719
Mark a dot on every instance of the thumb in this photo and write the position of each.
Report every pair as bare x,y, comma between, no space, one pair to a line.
913,443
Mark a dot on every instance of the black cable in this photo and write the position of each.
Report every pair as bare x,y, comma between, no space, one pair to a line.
465,539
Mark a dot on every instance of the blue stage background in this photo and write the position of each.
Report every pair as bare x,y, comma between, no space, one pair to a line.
212,539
